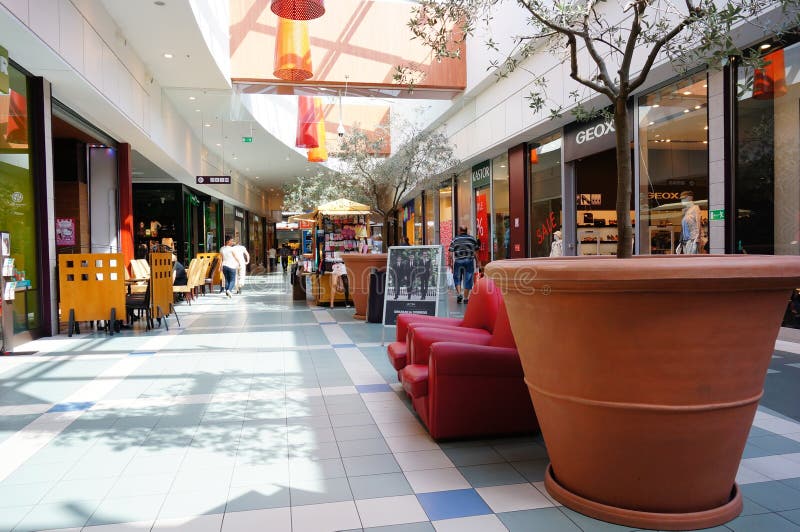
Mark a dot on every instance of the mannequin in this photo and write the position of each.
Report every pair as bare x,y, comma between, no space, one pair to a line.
691,226
557,248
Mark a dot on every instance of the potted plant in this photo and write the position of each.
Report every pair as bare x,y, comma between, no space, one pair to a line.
359,266
645,373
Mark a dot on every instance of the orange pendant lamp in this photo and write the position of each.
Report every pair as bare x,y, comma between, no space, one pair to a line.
298,9
320,153
292,51
770,82
534,156
306,123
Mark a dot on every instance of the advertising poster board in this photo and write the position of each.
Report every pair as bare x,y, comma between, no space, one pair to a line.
412,281
65,231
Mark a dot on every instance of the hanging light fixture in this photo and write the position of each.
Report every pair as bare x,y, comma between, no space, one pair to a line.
770,82
534,154
320,153
306,123
298,9
292,51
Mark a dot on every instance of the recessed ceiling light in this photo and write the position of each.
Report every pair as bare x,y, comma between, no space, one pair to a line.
258,177
246,169
668,140
687,93
234,157
272,190
651,123
168,55
686,110
705,85
765,46
197,110
192,98
705,142
655,106
697,107
218,144
705,128
208,125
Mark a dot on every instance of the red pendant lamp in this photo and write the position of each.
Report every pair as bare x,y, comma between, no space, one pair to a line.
770,82
292,51
306,123
298,9
320,153
534,156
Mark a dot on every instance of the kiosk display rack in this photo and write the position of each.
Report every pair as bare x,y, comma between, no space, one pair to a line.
7,291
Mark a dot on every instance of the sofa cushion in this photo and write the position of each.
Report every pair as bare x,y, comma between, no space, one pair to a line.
415,380
398,353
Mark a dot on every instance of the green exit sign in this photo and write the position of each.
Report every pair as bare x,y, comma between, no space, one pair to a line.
717,215
247,139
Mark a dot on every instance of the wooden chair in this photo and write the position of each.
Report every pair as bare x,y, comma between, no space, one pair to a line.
188,288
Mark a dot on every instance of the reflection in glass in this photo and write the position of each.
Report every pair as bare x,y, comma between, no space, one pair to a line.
501,229
673,155
545,193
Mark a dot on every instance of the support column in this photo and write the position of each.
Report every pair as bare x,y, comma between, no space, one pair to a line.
518,200
716,159
125,176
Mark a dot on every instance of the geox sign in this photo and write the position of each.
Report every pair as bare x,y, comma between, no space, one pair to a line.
595,132
582,139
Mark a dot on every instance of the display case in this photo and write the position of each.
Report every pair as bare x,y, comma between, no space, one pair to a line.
597,232
664,239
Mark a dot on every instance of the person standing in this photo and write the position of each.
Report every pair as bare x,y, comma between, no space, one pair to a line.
464,248
244,259
230,265
691,226
284,253
273,255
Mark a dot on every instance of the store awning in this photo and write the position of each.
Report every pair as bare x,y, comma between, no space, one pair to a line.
342,207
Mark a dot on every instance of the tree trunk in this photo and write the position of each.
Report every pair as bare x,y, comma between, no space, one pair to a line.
624,228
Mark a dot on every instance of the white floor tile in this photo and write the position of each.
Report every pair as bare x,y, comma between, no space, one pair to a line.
479,523
325,517
274,520
543,490
413,442
418,460
745,475
513,498
139,526
401,428
390,511
776,467
429,480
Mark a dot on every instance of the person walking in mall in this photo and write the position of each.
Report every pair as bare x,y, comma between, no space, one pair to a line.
464,248
230,265
244,259
273,255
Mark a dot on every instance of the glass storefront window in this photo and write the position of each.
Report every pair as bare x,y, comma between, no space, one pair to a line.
546,212
501,212
464,192
483,223
416,238
446,220
18,200
228,223
673,155
766,187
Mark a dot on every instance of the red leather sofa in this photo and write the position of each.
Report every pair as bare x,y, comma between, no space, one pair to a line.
467,385
480,316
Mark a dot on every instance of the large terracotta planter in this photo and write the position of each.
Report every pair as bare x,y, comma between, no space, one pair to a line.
359,266
645,375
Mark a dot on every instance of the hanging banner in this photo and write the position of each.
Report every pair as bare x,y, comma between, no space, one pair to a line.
482,226
412,282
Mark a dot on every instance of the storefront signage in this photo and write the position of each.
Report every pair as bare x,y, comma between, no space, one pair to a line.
546,228
718,214
238,214
412,285
482,174
582,139
213,180
4,78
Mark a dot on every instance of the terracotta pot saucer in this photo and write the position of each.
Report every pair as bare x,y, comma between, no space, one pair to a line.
638,519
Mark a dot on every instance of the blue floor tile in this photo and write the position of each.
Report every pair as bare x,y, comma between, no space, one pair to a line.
453,504
71,407
762,523
774,496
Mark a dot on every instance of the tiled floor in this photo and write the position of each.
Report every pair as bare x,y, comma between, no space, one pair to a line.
260,413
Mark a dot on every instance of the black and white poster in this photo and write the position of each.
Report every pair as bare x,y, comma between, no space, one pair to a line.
412,281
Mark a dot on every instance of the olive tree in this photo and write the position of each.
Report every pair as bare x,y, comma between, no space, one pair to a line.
610,47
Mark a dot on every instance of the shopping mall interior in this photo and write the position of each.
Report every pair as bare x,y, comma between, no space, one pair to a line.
280,265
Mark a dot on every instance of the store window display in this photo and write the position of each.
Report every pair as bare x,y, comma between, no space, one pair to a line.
692,240
673,155
766,187
501,212
546,213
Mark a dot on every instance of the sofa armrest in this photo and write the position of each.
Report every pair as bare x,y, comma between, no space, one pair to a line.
422,338
460,359
404,320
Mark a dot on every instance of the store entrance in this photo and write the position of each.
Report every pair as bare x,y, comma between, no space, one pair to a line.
596,203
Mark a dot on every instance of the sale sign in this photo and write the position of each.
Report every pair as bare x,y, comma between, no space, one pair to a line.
482,226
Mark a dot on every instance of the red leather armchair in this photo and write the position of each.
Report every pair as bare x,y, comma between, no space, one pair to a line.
480,316
466,385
